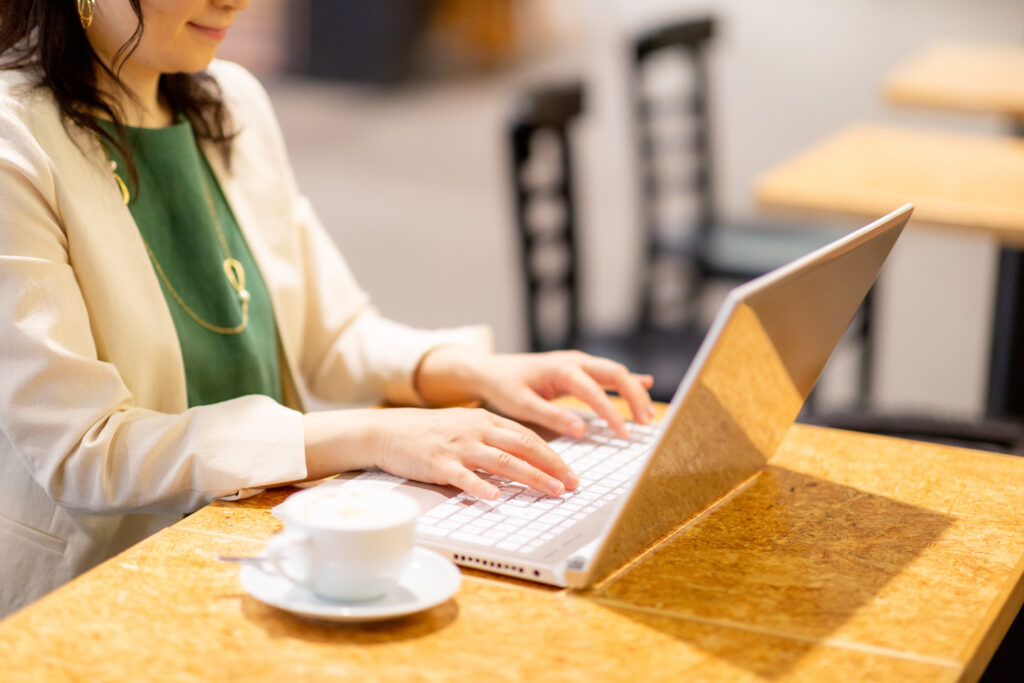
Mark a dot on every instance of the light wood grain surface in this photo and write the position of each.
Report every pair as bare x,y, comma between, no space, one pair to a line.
974,77
849,557
956,180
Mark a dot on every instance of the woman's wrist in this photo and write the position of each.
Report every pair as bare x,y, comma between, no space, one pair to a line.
451,375
338,441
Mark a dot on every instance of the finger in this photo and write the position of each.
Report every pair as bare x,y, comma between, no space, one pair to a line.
647,381
529,407
517,440
501,462
582,386
616,377
459,476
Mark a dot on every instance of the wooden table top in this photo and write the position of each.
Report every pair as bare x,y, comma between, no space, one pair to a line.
850,557
954,179
977,77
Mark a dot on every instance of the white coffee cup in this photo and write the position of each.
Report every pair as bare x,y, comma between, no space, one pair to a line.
344,543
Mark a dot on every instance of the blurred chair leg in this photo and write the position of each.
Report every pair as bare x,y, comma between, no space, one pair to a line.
1006,373
867,351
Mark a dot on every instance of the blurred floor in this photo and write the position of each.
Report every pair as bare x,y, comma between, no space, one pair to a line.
409,183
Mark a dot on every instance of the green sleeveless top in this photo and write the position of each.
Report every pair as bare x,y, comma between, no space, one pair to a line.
172,209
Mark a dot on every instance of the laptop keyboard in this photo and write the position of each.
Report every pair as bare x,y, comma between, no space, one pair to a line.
521,519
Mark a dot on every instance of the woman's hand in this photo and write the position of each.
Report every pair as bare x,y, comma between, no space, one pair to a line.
435,446
446,446
521,385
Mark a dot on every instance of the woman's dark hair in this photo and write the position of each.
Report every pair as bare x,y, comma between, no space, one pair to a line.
48,35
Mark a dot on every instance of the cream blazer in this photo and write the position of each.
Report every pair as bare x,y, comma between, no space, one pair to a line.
98,447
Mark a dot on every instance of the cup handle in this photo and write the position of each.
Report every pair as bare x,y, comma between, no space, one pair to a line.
290,551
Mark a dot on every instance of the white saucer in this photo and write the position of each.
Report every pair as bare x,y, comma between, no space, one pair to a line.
430,580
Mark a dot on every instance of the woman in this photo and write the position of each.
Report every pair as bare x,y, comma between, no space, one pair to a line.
169,302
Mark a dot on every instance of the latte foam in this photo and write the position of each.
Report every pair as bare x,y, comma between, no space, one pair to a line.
353,509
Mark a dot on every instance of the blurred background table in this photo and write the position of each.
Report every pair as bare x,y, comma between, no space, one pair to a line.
956,180
960,76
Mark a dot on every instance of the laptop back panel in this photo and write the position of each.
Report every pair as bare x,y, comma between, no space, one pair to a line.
745,388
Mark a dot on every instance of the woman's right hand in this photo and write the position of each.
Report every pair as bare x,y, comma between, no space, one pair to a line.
436,446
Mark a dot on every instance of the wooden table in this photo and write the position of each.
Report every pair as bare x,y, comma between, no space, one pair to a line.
956,180
970,77
850,557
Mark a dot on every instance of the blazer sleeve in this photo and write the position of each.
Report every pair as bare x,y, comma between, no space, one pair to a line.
69,415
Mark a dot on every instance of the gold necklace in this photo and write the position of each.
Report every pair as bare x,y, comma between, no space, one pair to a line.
233,269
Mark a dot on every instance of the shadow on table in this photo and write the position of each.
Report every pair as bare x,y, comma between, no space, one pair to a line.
262,501
793,555
280,624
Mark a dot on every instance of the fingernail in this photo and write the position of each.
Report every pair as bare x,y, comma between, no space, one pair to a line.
572,481
577,427
555,487
492,493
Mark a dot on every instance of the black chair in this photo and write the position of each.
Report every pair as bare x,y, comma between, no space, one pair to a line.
689,248
671,89
540,137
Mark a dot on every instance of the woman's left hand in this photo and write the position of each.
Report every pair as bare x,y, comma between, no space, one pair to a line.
522,385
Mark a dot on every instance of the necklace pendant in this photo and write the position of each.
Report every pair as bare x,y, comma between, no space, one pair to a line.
235,273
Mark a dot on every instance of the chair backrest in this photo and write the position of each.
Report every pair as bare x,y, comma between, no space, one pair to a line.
675,166
545,212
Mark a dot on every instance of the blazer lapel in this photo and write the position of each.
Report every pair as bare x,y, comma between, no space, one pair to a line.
132,325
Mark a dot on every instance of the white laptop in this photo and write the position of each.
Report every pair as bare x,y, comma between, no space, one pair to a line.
743,390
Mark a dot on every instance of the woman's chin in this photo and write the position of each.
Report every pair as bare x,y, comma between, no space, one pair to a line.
197,61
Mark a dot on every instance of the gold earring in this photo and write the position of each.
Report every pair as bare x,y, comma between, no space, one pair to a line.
86,8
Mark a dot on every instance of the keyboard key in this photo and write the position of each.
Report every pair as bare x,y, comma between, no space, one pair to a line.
525,513
472,538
